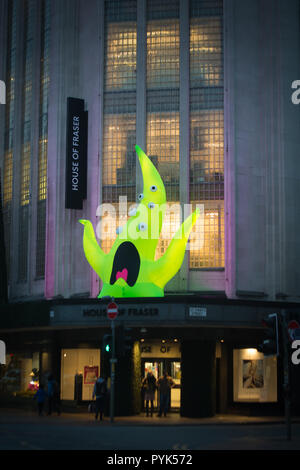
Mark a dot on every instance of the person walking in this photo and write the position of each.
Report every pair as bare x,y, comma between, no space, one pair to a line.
100,392
40,396
149,386
165,383
53,396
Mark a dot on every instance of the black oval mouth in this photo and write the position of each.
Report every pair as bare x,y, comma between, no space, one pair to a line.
126,264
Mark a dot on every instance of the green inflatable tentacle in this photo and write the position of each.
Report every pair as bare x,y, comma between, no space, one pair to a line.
130,268
169,264
94,254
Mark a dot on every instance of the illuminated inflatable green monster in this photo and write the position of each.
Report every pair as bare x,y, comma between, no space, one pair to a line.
130,268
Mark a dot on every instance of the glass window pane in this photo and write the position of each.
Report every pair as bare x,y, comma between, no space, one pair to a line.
207,133
163,42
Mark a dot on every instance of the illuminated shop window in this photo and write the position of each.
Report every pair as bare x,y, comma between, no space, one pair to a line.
254,376
20,375
207,133
79,365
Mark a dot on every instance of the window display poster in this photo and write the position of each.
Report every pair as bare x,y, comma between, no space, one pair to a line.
90,374
254,376
253,373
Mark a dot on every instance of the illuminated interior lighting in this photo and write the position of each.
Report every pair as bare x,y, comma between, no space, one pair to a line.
251,351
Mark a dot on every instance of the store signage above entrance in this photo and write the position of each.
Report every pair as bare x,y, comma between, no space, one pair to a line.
160,349
123,312
197,312
76,161
93,314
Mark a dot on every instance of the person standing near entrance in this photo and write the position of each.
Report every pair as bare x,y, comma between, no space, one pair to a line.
149,385
53,396
165,384
41,399
100,391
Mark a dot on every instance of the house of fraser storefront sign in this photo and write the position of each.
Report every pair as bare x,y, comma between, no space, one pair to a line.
130,312
85,314
76,160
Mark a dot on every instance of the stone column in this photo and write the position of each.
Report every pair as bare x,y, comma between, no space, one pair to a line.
198,379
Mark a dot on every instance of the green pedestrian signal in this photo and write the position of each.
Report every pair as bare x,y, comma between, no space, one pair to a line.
107,344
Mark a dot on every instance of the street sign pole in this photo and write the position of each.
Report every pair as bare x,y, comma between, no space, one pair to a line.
112,373
112,312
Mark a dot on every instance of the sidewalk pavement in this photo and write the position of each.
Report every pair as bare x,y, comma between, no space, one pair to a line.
172,419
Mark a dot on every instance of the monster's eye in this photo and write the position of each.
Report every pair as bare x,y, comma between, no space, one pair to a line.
151,205
153,188
132,212
119,230
142,227
141,196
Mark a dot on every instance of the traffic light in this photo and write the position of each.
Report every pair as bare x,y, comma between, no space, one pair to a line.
124,340
107,345
270,345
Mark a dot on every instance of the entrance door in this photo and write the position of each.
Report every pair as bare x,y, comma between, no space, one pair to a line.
158,367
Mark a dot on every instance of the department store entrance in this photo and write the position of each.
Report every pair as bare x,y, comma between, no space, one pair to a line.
158,357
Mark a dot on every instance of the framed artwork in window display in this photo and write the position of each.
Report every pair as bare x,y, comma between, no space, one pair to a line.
254,376
253,373
91,374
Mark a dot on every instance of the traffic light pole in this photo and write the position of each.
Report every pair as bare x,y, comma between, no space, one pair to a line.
112,373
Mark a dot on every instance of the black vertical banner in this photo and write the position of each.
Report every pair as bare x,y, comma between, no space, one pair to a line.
76,161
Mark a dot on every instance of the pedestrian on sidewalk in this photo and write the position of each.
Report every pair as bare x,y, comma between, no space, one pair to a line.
149,386
40,396
100,393
165,383
53,396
